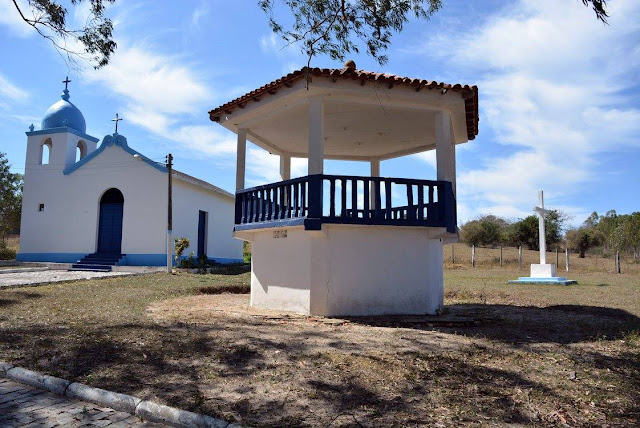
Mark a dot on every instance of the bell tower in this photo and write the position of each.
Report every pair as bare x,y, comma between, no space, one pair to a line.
62,139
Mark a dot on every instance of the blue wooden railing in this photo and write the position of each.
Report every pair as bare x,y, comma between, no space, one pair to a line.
338,199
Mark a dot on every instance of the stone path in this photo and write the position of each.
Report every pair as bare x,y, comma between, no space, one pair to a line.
25,406
34,278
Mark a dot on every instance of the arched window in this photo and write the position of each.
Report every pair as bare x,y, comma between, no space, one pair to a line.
81,150
45,152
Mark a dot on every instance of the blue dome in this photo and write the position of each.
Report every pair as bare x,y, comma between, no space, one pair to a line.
64,113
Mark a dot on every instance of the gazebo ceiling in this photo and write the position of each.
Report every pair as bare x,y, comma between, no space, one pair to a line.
366,115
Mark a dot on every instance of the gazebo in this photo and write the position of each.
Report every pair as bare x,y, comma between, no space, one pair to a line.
338,245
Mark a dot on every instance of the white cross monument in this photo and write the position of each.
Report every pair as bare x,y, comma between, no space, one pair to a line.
543,272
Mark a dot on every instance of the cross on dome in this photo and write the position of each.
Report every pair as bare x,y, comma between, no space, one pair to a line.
65,93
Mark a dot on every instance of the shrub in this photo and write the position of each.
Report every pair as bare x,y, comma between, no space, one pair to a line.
7,253
189,262
231,289
180,244
246,252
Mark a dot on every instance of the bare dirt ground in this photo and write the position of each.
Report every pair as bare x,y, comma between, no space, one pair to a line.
526,355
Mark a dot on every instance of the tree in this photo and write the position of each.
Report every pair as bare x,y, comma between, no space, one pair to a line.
526,231
626,235
487,230
10,198
582,239
331,26
49,19
606,225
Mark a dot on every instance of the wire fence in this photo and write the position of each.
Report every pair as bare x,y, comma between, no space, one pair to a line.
522,258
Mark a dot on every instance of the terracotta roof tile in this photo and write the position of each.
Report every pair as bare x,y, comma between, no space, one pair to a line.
468,93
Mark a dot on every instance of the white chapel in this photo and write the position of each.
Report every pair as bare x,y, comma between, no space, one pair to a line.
107,204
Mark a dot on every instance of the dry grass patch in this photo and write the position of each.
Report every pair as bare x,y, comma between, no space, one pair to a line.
537,355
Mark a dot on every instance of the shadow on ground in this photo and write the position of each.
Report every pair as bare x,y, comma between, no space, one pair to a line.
560,324
267,373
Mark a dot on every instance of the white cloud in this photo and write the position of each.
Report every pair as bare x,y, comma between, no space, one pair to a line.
288,54
10,18
151,80
199,13
428,157
554,87
161,94
262,167
9,90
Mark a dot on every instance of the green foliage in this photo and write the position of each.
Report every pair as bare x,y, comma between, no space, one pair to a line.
246,252
525,232
189,263
49,19
10,198
331,26
626,235
490,231
203,263
180,245
6,253
485,231
582,239
616,232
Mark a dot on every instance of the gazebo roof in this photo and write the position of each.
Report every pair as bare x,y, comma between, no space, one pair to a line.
384,115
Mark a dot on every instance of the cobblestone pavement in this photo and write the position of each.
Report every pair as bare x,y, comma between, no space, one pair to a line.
32,278
24,406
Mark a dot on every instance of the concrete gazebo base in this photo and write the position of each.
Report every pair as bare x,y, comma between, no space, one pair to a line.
347,270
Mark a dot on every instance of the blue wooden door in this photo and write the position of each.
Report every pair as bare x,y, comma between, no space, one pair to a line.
202,230
110,225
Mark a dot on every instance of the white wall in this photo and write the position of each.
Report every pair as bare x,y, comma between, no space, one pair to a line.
280,270
188,200
348,270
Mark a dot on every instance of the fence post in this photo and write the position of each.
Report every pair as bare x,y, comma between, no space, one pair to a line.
520,257
566,258
453,256
618,261
501,256
473,256
557,259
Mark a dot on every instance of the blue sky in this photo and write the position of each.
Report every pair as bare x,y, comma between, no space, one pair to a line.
559,94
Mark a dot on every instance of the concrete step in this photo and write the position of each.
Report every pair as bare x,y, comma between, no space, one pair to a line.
88,270
91,266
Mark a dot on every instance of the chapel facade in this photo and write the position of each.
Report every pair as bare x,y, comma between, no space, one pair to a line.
106,204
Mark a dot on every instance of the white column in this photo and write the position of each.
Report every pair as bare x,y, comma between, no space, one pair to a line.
541,231
445,149
375,172
316,135
241,158
285,166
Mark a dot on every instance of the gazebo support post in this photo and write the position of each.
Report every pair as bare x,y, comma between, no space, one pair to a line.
445,149
316,135
285,166
241,158
375,172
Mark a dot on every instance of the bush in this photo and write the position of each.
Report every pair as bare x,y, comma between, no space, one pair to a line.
7,253
487,231
189,262
246,252
231,289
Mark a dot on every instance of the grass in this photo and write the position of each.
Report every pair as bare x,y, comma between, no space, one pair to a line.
537,355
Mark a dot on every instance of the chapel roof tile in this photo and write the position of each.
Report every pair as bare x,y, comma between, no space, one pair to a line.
468,93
